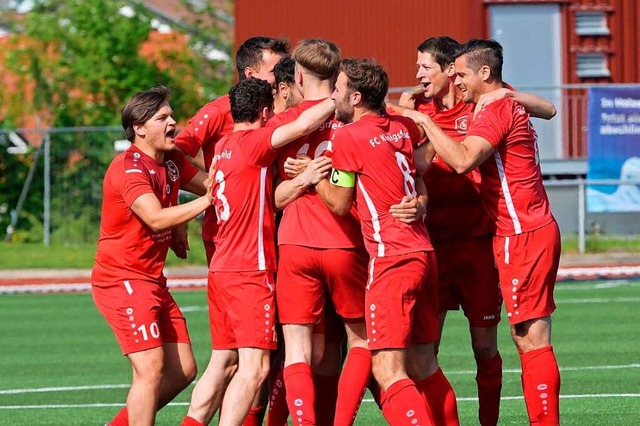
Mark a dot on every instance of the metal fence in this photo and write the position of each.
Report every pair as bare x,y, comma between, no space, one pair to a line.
60,198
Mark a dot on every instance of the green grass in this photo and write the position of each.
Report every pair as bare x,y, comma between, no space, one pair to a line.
61,340
80,256
77,256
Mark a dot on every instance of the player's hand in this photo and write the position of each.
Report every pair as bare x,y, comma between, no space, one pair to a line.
408,97
208,184
409,210
179,241
294,166
317,169
488,98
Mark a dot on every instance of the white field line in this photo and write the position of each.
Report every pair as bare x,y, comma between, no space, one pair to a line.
599,300
63,287
598,271
452,373
367,400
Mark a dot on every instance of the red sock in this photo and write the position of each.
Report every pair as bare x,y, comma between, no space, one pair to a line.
298,380
190,421
440,398
489,380
402,405
326,390
121,419
355,376
254,416
278,410
541,386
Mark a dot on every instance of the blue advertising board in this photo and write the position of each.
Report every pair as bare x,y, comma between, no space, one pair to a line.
614,149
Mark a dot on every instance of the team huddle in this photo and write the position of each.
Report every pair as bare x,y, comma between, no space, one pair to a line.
339,230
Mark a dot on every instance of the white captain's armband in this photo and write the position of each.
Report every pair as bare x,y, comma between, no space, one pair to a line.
342,178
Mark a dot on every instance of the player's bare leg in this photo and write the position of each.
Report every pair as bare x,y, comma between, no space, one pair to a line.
142,401
179,371
209,391
356,373
400,395
253,368
423,368
540,374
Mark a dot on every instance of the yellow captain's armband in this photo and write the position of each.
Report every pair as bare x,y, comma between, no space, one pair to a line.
342,178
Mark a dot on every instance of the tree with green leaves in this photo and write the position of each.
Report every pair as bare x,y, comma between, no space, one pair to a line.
81,60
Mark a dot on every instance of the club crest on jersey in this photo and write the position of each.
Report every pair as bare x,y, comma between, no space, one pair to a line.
172,169
461,125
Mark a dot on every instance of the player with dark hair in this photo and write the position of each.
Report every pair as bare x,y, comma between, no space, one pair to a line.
256,57
460,229
241,288
373,163
287,94
139,209
501,142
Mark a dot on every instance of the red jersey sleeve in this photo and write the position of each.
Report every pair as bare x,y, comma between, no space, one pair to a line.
493,122
256,147
207,123
132,182
343,155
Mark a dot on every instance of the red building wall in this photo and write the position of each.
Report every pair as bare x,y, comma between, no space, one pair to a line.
386,31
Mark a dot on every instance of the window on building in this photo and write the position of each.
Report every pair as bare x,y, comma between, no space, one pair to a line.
592,65
591,23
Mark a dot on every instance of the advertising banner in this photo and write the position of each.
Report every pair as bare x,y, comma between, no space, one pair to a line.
614,149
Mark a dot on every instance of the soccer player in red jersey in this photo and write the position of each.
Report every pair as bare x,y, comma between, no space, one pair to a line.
241,288
320,255
375,153
139,209
256,57
502,142
460,229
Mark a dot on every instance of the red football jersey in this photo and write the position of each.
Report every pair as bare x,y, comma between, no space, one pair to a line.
127,248
511,186
208,126
455,207
243,199
307,221
379,149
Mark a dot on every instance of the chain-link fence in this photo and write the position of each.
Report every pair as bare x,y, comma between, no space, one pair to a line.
53,193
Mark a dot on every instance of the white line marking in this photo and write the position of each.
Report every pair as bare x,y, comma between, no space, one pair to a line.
67,287
452,373
193,308
62,389
599,300
368,400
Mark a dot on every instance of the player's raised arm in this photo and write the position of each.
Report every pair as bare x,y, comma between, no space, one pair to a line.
535,105
148,208
462,157
307,122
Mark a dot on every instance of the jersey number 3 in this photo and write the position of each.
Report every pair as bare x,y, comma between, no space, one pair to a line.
222,211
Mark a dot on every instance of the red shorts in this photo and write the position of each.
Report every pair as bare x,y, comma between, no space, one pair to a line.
142,314
468,278
528,266
402,301
242,310
304,274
